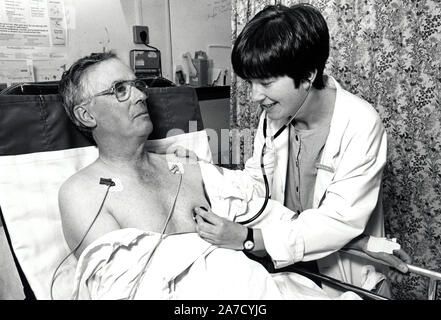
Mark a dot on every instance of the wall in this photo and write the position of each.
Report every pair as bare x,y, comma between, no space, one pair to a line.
175,27
107,24
100,24
201,25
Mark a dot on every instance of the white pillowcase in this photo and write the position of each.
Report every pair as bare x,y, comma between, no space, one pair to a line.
29,186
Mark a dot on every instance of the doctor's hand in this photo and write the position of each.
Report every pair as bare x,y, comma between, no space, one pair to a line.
181,152
219,231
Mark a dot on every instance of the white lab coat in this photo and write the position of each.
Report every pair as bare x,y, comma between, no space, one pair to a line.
346,191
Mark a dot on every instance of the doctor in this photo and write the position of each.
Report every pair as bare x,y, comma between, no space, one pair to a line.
328,160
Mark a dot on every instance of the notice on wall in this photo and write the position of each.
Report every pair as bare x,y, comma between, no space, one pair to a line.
57,19
16,71
35,23
49,70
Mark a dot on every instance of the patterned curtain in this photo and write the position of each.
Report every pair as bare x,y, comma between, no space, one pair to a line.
387,52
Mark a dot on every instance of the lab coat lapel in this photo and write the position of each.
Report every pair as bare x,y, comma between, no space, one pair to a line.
281,165
331,152
330,155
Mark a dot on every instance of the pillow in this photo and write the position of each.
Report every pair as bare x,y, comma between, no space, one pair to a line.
10,283
173,108
36,123
195,141
39,122
29,186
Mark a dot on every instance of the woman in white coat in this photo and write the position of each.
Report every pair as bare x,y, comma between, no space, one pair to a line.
328,156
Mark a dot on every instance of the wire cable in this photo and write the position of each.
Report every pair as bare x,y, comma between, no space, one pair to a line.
144,40
134,289
81,241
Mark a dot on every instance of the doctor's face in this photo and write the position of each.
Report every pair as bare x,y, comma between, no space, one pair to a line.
278,96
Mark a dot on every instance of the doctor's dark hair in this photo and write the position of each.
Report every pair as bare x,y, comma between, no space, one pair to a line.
283,41
72,88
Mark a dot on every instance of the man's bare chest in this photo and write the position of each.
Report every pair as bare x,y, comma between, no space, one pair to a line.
147,205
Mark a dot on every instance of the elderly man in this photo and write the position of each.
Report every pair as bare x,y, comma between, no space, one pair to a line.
103,95
128,216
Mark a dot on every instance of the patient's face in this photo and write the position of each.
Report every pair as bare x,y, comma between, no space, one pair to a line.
127,118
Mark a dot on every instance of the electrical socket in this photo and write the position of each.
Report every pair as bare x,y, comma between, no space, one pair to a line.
137,34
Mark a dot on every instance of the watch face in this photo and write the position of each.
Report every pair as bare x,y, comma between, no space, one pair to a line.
248,245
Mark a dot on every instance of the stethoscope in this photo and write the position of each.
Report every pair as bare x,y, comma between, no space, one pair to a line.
262,165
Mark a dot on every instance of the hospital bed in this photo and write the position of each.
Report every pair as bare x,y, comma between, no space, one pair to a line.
38,141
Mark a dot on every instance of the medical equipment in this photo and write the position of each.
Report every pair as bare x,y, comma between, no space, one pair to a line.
146,63
262,165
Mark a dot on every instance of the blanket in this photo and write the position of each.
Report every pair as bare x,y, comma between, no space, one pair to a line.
183,267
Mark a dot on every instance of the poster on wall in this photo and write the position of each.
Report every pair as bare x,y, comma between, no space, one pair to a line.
57,21
36,23
32,33
16,71
49,70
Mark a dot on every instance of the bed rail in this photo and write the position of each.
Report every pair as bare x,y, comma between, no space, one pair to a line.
433,276
339,285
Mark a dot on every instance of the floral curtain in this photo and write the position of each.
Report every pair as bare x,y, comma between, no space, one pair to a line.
387,52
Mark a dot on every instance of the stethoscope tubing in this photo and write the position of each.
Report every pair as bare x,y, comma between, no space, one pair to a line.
262,165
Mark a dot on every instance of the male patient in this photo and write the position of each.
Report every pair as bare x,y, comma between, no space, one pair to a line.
116,229
102,96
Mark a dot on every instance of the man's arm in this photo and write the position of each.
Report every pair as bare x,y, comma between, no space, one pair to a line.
82,222
399,259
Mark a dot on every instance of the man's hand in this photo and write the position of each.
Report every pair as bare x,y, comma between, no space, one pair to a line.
219,231
398,260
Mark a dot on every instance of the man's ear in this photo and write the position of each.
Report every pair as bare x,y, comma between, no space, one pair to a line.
84,116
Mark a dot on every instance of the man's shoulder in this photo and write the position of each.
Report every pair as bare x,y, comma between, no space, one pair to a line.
80,184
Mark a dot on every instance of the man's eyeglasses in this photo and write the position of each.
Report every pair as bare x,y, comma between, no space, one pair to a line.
121,89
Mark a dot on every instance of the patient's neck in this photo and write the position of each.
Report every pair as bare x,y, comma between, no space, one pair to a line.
126,159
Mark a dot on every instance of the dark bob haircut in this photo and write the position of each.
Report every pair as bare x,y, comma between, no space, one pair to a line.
283,41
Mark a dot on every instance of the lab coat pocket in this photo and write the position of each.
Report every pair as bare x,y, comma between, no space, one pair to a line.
325,175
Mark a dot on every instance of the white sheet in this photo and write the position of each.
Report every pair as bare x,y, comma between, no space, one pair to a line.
183,267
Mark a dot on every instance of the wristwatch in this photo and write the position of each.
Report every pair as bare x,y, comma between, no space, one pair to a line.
248,244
